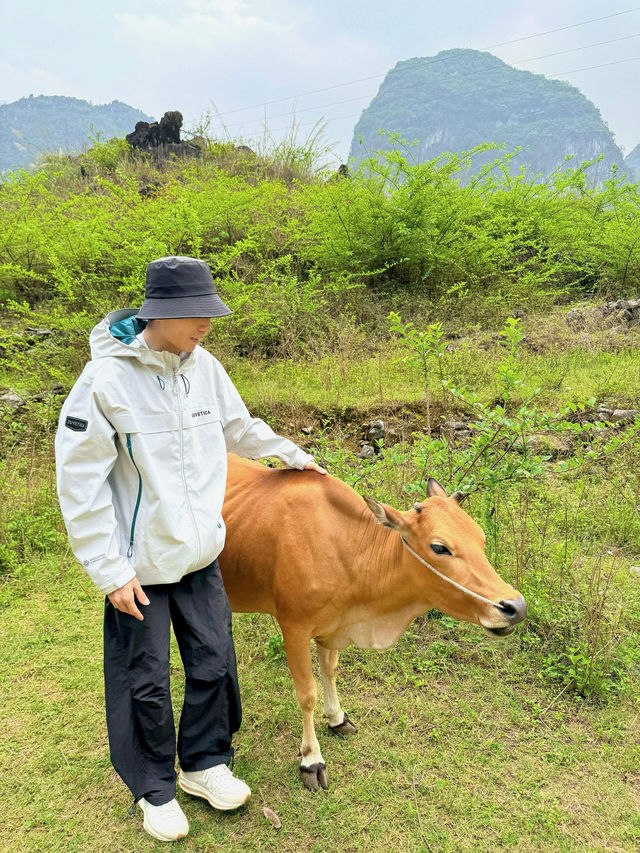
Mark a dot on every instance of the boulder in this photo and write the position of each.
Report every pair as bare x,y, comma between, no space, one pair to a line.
12,400
624,415
375,431
575,319
366,451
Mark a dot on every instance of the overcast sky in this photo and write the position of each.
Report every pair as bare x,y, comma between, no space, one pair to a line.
223,55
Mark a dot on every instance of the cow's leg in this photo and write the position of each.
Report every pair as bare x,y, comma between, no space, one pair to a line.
313,770
339,723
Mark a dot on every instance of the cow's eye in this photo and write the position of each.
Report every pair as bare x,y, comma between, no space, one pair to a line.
438,548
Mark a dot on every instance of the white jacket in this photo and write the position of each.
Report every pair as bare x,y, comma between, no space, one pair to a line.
141,459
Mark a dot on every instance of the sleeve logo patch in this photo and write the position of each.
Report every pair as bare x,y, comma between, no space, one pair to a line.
76,424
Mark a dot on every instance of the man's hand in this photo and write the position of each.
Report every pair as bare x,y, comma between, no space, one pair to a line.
313,466
124,599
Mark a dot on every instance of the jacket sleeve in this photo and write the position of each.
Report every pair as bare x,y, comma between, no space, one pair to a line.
85,453
252,437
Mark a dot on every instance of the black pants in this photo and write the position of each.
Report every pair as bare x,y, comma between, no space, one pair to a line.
136,672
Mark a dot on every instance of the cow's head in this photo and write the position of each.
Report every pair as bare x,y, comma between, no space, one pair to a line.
458,580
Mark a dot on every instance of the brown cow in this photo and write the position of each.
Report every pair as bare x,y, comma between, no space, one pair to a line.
341,570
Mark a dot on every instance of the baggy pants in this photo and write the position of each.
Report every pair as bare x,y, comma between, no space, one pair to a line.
136,672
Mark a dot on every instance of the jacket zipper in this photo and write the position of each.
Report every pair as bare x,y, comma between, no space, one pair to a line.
184,479
137,507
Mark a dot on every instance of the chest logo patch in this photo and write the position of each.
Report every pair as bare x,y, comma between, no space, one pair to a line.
76,424
200,414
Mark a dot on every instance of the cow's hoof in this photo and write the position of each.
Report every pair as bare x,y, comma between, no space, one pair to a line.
346,727
315,776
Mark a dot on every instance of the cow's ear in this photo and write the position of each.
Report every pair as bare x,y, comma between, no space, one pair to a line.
459,496
435,489
385,514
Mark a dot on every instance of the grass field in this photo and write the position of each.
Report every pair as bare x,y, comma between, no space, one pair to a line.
461,746
465,744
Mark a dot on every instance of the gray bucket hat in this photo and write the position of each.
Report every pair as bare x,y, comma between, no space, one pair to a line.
178,286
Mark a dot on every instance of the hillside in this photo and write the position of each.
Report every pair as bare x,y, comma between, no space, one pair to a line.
632,161
35,125
462,98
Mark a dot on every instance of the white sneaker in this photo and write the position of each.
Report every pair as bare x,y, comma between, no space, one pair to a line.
217,785
166,822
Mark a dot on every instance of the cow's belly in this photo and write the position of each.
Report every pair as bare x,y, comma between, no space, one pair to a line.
371,631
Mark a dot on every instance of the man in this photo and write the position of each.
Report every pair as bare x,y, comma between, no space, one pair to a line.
141,472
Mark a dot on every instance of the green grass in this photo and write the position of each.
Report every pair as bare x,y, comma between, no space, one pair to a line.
565,367
465,743
461,746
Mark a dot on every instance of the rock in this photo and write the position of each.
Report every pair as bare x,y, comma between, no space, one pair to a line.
392,436
343,173
604,413
38,333
307,430
622,415
147,135
375,430
366,452
17,401
634,570
575,319
12,400
626,311
162,138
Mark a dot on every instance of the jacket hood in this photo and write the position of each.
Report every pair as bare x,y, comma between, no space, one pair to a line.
116,335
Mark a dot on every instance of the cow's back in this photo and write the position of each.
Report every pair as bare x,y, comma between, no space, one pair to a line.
284,546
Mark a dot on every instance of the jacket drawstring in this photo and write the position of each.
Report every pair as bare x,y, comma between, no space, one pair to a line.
161,382
187,384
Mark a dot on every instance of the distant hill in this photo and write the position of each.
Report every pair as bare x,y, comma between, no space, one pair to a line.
460,98
632,162
46,123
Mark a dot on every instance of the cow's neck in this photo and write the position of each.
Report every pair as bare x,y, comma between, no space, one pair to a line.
384,563
386,602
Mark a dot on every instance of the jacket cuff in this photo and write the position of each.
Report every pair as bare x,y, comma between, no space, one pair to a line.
299,459
123,577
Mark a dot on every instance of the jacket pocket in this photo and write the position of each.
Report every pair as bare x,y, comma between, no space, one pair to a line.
138,498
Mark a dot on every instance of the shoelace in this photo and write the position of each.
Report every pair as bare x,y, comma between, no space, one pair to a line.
170,808
218,773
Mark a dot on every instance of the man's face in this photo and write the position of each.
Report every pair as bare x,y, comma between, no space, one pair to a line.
179,335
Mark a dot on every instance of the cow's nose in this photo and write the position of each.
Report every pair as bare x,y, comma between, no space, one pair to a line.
515,609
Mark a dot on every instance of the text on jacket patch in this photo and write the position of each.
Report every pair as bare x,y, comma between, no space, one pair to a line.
203,412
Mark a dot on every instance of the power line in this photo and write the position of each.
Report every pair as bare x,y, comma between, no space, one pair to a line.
562,74
560,29
575,49
377,76
371,95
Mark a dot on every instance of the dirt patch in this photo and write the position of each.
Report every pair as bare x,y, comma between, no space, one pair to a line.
350,424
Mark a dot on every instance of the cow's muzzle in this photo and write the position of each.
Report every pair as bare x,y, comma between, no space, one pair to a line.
515,610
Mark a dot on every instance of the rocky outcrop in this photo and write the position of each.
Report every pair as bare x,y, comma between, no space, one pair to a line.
619,312
162,139
167,130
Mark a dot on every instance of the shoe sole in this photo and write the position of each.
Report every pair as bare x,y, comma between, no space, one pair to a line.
160,837
198,791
